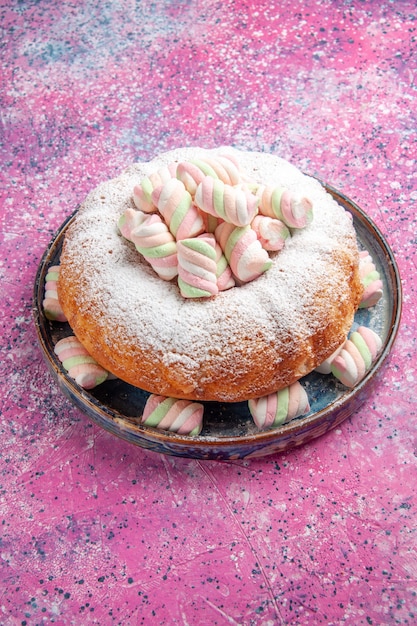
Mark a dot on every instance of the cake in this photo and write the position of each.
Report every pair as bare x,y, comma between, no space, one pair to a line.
268,306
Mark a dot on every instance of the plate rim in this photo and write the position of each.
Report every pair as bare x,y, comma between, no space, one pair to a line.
257,440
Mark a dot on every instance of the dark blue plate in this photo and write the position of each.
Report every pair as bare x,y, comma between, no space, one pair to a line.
229,431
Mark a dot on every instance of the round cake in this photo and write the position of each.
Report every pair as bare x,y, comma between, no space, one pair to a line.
262,334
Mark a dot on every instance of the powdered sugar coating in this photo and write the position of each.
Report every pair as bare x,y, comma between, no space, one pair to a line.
256,338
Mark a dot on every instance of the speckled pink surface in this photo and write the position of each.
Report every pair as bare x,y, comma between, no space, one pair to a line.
96,531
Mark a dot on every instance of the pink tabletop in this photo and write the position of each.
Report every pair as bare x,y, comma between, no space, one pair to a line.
97,531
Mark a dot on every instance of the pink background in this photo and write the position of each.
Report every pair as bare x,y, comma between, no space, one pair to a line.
96,531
